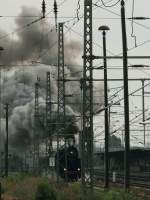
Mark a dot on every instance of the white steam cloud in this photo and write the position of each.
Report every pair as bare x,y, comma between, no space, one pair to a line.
17,85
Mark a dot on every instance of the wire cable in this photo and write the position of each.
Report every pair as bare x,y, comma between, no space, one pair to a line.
78,9
110,6
29,24
21,29
112,12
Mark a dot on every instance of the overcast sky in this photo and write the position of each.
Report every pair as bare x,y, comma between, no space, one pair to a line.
68,9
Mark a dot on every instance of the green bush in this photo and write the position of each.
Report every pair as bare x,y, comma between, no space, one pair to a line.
2,190
45,192
120,195
112,195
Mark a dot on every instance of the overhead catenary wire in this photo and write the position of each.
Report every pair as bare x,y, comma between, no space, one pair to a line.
68,30
131,123
22,28
114,13
132,48
120,128
118,101
62,17
110,6
30,23
73,24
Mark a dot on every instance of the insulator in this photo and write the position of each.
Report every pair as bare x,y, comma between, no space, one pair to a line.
56,27
139,18
55,7
38,79
43,8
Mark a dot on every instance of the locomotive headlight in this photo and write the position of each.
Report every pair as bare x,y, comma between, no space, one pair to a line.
65,169
78,169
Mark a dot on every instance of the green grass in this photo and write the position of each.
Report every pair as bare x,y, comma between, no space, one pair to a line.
27,187
45,192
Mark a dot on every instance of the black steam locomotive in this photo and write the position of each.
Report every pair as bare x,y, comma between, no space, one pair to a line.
68,163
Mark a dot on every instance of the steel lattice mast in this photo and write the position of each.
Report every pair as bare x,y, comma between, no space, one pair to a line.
36,124
61,88
48,115
61,83
87,133
36,108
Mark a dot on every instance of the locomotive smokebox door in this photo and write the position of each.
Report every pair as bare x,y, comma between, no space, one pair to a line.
51,162
71,141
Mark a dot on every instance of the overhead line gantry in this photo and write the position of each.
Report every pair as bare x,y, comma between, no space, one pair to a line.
61,93
48,115
87,112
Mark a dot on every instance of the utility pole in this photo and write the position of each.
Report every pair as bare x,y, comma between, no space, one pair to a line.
87,132
6,142
1,49
61,93
143,108
126,98
0,101
48,116
104,29
0,118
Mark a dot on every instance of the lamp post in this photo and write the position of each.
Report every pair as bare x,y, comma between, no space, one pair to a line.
104,29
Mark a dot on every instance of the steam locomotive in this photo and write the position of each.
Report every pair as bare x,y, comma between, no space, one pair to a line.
68,164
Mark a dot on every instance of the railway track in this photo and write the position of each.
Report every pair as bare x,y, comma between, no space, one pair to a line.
137,180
